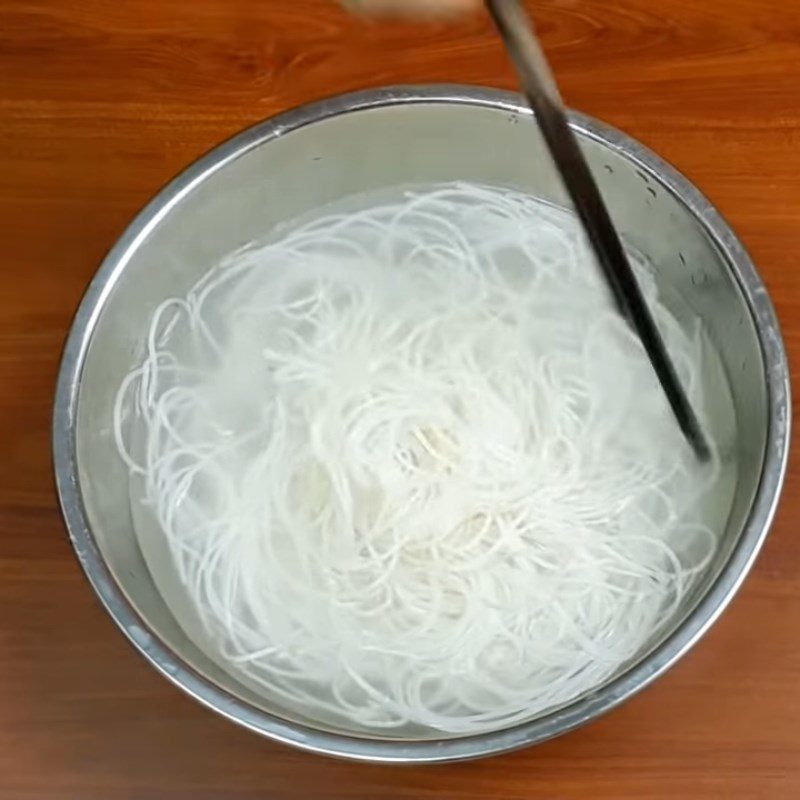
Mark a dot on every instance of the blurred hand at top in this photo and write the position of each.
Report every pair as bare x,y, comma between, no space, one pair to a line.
411,8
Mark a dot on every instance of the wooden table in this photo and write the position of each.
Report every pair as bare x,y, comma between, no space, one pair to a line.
101,102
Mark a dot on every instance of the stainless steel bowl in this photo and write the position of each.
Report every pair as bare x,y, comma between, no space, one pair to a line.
366,141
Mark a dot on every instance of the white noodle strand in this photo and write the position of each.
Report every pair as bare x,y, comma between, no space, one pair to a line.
413,469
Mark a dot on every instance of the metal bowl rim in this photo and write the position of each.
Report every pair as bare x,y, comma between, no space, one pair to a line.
183,675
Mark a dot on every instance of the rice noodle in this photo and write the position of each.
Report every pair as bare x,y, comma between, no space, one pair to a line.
411,466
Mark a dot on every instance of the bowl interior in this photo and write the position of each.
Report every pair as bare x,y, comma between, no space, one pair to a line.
279,177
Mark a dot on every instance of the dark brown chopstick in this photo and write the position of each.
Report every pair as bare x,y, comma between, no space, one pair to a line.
542,94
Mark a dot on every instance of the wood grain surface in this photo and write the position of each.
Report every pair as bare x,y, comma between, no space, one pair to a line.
101,102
